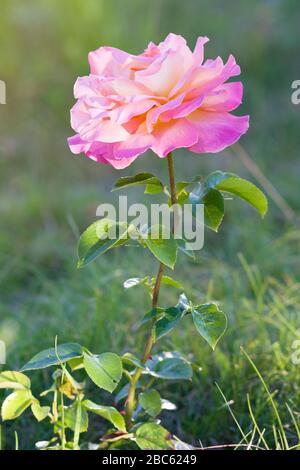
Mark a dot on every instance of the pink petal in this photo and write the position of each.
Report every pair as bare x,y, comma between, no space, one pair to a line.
178,44
108,61
79,115
94,86
104,153
86,86
124,113
141,61
166,70
134,146
154,115
182,110
173,42
175,134
226,97
212,74
103,131
217,131
200,80
165,74
119,155
126,87
121,163
77,145
199,49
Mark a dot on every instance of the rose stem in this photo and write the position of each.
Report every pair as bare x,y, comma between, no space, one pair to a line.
131,401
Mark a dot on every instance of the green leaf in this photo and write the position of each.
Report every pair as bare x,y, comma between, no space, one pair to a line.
153,314
181,192
49,358
240,187
153,189
98,238
212,180
183,197
14,379
132,360
171,282
107,412
76,363
213,202
152,436
104,370
180,185
147,179
167,319
39,412
210,322
213,209
169,366
14,405
171,318
247,191
71,416
150,401
164,249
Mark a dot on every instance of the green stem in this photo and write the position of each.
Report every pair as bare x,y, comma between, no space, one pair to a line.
172,178
131,400
63,434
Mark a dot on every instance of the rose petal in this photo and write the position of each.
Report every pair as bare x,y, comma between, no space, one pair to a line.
77,145
164,76
103,131
183,109
212,74
154,114
108,61
172,135
216,131
121,163
199,49
124,113
134,146
226,97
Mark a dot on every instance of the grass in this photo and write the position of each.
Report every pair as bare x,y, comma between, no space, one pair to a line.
48,196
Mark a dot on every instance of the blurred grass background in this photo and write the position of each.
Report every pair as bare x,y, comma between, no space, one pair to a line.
48,196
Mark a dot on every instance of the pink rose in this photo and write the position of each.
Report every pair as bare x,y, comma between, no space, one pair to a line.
163,99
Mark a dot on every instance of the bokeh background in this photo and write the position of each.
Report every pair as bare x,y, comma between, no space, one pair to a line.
48,196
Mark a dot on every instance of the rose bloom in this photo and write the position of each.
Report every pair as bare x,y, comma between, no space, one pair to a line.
165,98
